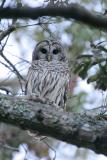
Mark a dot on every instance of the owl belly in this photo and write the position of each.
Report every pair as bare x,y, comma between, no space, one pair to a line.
51,85
48,80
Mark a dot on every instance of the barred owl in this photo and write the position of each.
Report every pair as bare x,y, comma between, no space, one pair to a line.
48,74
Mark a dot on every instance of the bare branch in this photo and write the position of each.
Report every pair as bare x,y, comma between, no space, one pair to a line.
79,129
10,66
6,32
6,65
11,84
2,4
5,89
13,67
6,146
74,11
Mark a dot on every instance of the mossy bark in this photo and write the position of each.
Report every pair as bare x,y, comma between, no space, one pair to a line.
79,129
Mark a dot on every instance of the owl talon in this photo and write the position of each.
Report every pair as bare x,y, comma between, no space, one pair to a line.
37,98
57,107
48,101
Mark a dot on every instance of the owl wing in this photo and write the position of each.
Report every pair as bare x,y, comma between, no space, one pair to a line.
30,80
28,86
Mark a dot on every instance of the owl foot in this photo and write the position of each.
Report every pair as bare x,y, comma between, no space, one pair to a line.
36,98
58,107
53,104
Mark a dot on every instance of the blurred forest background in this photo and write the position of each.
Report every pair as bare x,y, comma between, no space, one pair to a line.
87,53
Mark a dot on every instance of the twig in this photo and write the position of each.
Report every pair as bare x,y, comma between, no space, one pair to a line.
8,147
13,28
44,140
23,60
2,4
37,137
7,32
26,150
6,65
5,89
13,67
31,25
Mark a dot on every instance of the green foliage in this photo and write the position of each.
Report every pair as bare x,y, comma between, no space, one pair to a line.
100,77
85,62
75,102
82,65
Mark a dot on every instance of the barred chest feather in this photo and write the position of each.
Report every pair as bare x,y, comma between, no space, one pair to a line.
49,80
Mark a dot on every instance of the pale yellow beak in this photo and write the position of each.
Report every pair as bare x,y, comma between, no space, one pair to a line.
49,57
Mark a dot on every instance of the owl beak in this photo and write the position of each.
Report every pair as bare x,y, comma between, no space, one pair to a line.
49,57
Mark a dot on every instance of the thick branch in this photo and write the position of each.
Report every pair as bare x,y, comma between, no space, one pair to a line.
78,129
74,11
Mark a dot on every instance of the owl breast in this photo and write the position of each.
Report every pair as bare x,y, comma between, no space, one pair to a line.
48,80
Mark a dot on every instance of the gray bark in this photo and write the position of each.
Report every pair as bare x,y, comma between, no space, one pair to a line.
79,129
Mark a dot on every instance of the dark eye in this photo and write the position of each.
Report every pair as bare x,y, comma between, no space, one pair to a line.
55,51
43,50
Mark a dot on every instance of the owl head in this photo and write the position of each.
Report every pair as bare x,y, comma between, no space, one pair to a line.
49,50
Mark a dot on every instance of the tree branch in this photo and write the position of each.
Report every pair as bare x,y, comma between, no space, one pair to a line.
6,32
6,146
74,128
12,66
74,11
2,4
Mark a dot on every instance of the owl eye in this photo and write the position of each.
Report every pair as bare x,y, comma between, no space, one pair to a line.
55,51
43,50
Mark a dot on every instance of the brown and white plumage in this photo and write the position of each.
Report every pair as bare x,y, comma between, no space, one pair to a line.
48,75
